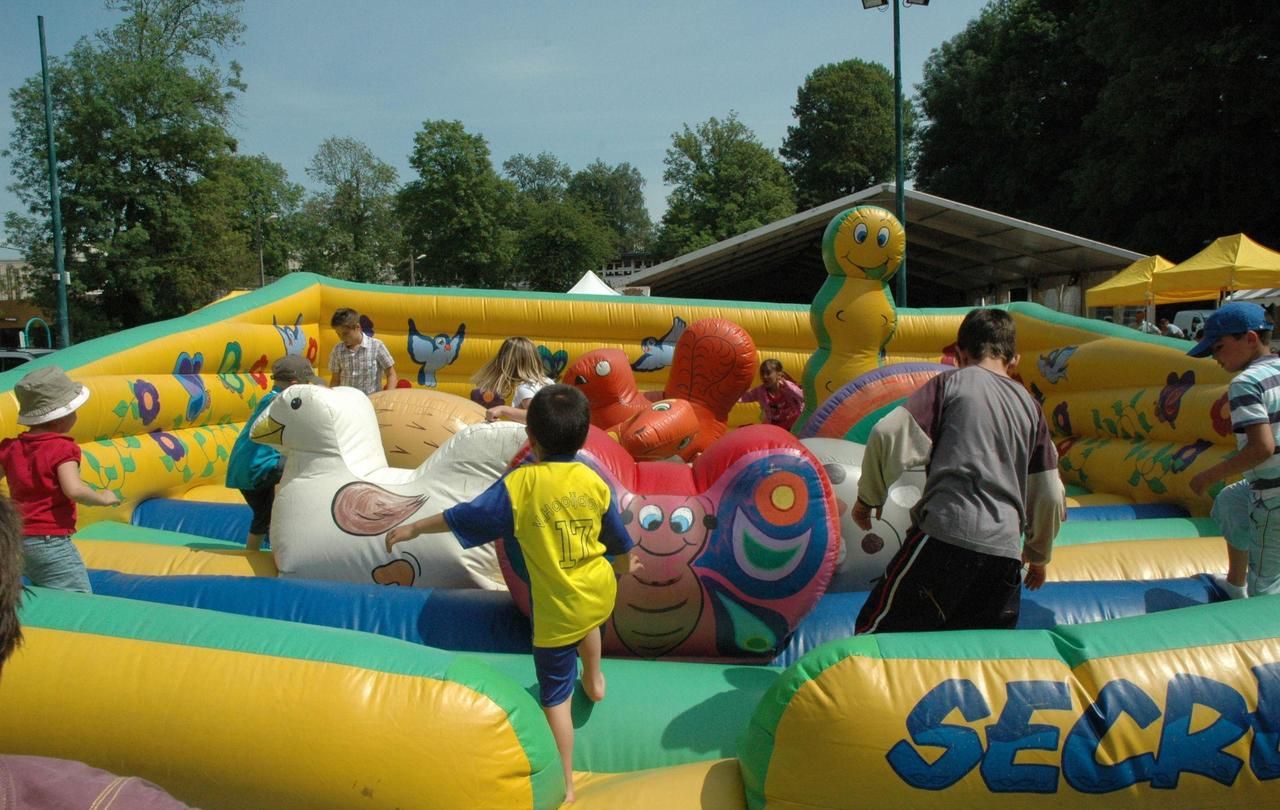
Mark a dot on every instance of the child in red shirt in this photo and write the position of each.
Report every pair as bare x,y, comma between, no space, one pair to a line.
781,400
43,469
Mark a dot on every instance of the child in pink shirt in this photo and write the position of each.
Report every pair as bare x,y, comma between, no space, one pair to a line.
781,400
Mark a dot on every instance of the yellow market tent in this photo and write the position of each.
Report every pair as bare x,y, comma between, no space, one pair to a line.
1229,263
1131,287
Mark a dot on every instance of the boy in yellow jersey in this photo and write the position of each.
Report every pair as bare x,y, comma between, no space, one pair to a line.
563,519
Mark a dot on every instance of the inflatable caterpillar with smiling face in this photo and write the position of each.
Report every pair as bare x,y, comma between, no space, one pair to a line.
736,547
853,315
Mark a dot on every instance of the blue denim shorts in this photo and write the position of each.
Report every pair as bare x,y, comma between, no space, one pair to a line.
53,561
1251,522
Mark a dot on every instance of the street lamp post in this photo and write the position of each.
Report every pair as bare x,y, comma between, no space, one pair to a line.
899,175
413,277
55,200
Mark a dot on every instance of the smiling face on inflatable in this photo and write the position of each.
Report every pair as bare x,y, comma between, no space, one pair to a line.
864,242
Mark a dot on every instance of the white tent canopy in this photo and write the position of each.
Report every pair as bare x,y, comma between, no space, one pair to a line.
591,284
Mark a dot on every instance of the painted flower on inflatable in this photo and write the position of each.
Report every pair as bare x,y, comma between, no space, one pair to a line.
1185,455
1170,400
170,444
1062,420
1220,414
148,400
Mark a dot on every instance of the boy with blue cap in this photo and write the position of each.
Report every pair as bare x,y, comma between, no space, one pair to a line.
1238,337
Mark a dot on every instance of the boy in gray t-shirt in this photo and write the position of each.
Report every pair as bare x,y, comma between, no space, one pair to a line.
992,474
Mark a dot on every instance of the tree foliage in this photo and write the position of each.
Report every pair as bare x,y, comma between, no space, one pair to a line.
726,183
1112,120
147,191
458,211
559,243
615,194
844,139
350,227
541,179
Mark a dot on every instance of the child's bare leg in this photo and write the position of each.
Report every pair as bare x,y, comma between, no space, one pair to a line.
1237,565
592,676
254,541
560,718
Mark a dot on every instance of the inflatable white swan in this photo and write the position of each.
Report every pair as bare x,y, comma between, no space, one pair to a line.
338,497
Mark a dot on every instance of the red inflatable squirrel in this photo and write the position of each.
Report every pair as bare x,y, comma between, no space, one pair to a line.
713,365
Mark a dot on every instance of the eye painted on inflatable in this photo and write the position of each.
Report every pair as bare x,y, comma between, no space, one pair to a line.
603,368
882,237
681,520
661,406
860,232
295,403
650,517
782,498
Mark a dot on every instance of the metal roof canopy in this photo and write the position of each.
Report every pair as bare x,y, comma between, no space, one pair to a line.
952,246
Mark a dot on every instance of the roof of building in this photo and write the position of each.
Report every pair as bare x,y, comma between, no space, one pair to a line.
952,249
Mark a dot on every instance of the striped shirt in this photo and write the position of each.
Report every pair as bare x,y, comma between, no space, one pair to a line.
361,367
1254,397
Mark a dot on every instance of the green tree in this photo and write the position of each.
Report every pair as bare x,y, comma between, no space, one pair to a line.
726,183
1003,102
843,140
559,243
1183,141
268,207
1112,120
616,195
542,178
141,122
350,228
458,211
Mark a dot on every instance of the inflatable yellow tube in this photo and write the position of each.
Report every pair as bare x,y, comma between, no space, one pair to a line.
1114,714
270,714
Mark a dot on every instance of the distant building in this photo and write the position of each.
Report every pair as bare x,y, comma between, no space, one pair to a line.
624,267
17,311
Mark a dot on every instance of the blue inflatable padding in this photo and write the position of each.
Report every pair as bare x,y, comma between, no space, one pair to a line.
221,521
487,621
461,620
1131,511
1055,603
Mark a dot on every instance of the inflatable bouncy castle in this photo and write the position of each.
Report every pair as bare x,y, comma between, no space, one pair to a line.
735,681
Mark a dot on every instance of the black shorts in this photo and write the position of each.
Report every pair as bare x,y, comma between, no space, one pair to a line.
932,585
260,499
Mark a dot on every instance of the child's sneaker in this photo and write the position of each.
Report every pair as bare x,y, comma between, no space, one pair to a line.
1232,591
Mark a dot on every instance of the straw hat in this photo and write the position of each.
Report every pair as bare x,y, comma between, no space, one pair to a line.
47,394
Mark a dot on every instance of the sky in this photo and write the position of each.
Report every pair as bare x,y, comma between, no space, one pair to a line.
581,79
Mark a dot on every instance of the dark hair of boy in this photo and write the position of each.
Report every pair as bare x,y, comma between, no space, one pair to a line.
988,333
344,316
10,578
558,419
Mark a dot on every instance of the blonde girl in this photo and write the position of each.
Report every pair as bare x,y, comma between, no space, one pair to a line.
515,375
